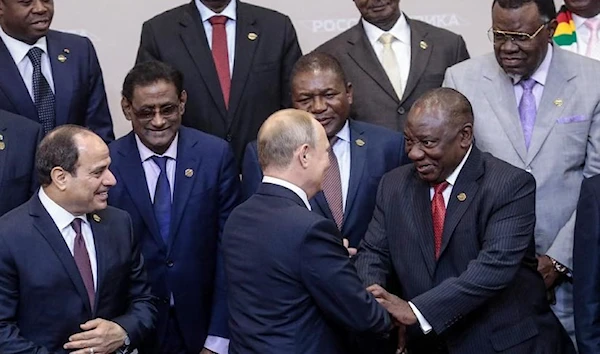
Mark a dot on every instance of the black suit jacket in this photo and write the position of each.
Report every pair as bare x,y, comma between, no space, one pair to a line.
483,294
432,51
19,138
42,297
261,69
291,286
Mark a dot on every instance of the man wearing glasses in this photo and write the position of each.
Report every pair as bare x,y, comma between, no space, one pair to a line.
537,107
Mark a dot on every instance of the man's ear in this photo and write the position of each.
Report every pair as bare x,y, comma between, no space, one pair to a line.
304,155
125,107
60,178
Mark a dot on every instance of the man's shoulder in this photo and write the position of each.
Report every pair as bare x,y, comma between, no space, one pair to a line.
25,127
261,12
111,215
68,38
436,33
341,40
201,140
497,170
169,16
477,63
376,131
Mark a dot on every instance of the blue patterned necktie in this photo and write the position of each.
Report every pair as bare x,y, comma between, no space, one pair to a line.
162,198
42,93
527,109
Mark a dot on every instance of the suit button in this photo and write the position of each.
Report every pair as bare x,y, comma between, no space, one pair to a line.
169,264
528,169
228,137
401,110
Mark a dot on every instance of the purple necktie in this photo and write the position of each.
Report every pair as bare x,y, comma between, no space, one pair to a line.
527,109
332,187
82,259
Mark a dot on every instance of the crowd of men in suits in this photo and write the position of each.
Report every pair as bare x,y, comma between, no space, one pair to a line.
267,201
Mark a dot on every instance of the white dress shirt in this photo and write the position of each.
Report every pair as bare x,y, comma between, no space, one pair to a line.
230,12
423,323
583,34
401,46
341,149
539,76
18,51
63,219
285,184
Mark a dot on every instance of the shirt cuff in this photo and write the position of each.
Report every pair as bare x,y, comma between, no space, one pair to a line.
425,326
216,344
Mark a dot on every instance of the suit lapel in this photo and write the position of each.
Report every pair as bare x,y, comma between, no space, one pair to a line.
363,55
102,245
319,202
47,228
13,86
419,57
424,222
244,56
62,72
194,38
358,158
134,180
4,152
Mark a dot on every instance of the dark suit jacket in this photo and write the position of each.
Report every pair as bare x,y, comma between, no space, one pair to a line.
375,100
42,297
586,267
190,265
18,181
291,286
261,70
382,151
483,294
78,85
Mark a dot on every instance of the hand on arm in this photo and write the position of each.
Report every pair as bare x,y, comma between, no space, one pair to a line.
102,336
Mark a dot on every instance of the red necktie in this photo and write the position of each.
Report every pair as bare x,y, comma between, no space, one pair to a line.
332,187
82,259
438,212
220,54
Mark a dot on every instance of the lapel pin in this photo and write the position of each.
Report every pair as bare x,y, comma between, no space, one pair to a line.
360,142
558,102
423,45
461,197
66,50
189,173
252,36
2,144
96,218
62,58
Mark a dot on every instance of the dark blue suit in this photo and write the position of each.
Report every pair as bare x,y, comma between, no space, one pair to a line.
42,297
190,265
20,138
586,267
291,286
78,85
382,151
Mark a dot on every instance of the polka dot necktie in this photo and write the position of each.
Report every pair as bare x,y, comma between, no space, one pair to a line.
42,93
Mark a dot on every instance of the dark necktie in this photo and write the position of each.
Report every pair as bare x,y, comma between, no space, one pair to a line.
527,109
42,93
332,187
220,54
162,198
82,259
438,212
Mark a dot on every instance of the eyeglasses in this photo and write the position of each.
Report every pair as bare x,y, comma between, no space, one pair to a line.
148,113
500,37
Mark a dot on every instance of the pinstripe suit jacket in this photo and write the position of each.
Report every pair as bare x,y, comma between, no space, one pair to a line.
483,294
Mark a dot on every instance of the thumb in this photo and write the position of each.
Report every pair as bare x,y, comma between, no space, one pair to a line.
91,324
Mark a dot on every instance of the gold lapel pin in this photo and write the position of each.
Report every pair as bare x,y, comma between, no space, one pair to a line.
189,173
252,36
96,218
360,142
2,144
62,58
558,102
423,45
66,50
461,197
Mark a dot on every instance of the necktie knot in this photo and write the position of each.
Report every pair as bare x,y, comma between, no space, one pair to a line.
528,84
592,24
76,225
35,55
440,188
386,39
218,20
161,162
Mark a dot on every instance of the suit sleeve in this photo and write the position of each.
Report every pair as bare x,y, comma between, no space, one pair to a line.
291,54
229,196
97,117
10,339
39,135
140,319
449,80
147,50
251,172
508,233
462,53
586,270
331,280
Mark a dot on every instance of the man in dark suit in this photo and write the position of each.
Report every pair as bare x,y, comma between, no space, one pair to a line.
51,77
236,59
72,278
463,249
19,138
179,186
363,152
392,60
586,268
290,285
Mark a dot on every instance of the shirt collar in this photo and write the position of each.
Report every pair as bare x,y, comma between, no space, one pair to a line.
454,175
285,184
541,74
205,13
344,133
61,217
146,153
400,30
18,50
579,21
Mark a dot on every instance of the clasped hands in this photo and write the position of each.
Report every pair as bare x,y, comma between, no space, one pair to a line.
98,336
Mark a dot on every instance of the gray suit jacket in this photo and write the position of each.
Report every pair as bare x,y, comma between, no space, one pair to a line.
433,50
565,145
